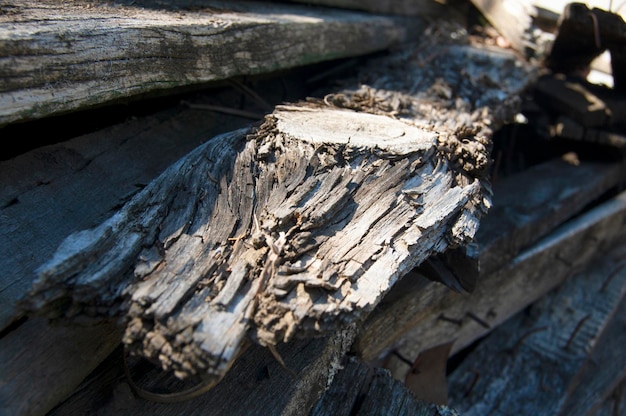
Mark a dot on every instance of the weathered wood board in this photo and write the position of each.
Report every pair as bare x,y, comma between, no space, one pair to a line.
57,56
443,315
257,384
556,190
422,8
34,379
362,390
564,355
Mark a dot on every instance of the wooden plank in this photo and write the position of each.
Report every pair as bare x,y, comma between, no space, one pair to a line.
324,382
409,320
604,368
55,374
80,56
440,315
546,358
381,102
257,384
531,204
362,390
423,8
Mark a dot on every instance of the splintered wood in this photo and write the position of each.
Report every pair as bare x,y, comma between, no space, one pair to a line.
296,228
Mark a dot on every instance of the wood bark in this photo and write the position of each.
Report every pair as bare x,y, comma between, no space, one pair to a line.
296,228
57,57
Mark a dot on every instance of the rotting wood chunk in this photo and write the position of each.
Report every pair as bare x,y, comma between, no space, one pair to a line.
299,227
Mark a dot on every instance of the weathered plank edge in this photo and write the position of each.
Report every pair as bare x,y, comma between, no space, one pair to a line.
170,49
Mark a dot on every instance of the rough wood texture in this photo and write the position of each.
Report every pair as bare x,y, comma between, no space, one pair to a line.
257,384
57,56
538,360
283,211
361,390
290,231
34,380
532,274
57,190
419,314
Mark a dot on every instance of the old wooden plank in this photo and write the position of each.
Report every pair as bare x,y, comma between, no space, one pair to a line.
536,361
605,367
234,246
33,381
513,224
529,205
257,384
58,56
423,8
362,390
430,317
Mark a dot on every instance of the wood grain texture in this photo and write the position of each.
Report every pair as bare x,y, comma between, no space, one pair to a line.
537,361
361,390
34,380
440,315
57,57
257,383
282,222
53,191
415,314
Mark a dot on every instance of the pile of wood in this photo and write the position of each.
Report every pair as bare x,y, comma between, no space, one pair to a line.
308,210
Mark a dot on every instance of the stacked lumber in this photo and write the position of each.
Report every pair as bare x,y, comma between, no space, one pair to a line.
328,258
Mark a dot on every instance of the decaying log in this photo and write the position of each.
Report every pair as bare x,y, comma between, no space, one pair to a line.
538,360
57,56
285,203
298,227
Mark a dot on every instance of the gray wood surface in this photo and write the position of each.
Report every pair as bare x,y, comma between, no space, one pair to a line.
58,56
423,8
419,314
361,390
386,104
257,384
564,355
